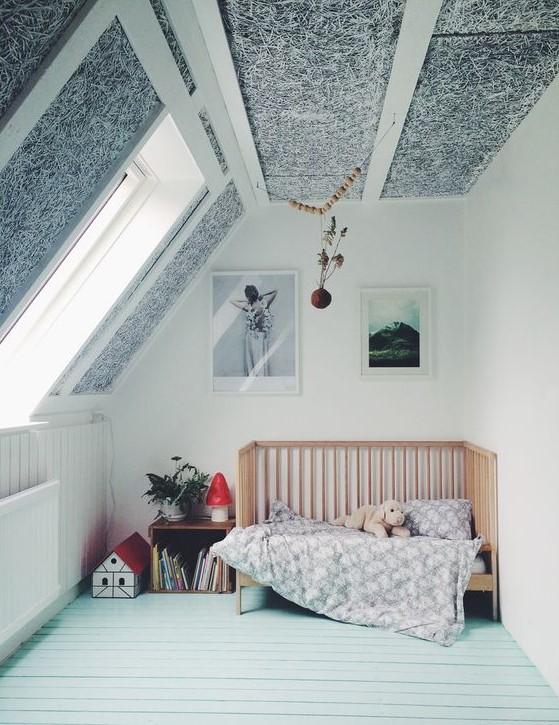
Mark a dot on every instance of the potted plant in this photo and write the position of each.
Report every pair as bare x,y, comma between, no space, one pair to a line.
178,492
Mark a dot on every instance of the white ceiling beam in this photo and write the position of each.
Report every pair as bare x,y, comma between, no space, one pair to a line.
209,20
208,93
418,23
151,48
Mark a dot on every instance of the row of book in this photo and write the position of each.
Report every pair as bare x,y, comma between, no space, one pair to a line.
171,572
211,573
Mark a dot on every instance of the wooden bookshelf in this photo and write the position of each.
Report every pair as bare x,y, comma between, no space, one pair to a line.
187,538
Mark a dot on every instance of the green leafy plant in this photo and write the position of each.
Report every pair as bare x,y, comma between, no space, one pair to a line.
184,487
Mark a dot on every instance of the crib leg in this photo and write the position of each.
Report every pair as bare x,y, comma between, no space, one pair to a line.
495,602
238,598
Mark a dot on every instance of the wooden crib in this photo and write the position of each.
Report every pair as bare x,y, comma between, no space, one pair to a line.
325,479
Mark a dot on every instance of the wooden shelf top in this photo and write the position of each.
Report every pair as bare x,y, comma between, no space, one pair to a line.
191,524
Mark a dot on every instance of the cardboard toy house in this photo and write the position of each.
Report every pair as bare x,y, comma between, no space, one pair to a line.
122,574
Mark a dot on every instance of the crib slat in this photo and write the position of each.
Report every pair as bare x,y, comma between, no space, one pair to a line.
346,480
323,484
453,483
393,466
428,473
440,473
336,491
312,482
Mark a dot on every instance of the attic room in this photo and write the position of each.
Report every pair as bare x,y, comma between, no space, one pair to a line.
160,162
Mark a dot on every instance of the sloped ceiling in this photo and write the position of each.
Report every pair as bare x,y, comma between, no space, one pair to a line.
78,146
278,97
313,77
140,322
486,66
29,32
52,176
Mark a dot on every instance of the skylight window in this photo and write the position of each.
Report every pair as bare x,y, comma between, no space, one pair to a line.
123,232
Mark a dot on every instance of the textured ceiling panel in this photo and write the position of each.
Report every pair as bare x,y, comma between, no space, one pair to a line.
497,16
126,297
173,43
212,138
171,283
313,77
28,31
476,86
50,179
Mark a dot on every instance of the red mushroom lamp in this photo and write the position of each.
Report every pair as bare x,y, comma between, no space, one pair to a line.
219,498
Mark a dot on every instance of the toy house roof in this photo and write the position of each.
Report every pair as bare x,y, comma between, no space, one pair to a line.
134,552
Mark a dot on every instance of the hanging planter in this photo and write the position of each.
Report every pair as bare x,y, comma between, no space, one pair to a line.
321,298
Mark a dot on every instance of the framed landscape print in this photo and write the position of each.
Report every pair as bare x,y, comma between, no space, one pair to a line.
254,332
395,332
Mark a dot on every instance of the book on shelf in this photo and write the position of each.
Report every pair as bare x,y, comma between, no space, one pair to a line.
181,572
167,583
167,569
199,568
214,583
207,572
185,573
156,582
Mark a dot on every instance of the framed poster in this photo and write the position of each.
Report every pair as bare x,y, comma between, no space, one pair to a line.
395,332
254,332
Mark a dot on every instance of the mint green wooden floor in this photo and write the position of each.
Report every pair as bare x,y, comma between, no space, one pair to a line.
189,659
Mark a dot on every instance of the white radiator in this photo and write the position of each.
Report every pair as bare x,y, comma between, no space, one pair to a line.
47,547
77,456
29,555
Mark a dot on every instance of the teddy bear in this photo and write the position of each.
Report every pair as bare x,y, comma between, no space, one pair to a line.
383,520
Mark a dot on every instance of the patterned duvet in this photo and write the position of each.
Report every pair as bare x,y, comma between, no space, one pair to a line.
413,586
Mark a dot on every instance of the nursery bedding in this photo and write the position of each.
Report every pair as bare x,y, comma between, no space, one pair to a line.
413,586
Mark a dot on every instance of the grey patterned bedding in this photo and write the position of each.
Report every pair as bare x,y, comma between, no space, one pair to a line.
413,586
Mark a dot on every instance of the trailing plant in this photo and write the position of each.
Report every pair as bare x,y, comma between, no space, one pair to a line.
184,487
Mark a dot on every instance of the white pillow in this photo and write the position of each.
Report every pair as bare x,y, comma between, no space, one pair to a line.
447,518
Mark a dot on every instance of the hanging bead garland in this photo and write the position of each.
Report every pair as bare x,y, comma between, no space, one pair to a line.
342,190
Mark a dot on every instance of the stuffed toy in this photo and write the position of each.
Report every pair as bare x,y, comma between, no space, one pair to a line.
383,520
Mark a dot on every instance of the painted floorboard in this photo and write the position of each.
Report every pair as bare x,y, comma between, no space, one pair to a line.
190,659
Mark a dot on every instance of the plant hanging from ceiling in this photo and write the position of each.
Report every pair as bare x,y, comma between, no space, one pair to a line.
328,263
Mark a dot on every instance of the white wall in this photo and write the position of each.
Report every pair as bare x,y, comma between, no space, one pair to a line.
164,407
512,348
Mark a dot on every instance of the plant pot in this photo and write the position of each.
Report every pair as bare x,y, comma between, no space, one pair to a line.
321,298
171,512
